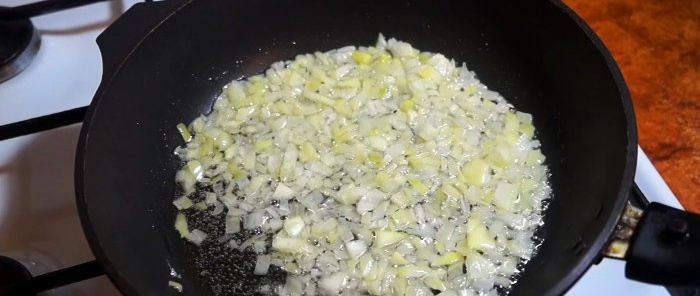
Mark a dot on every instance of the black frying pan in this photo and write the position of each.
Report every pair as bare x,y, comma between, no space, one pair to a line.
165,62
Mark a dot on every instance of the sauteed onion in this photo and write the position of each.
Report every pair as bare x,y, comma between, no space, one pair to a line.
381,169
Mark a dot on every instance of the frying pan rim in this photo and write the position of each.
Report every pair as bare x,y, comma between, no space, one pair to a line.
565,283
594,253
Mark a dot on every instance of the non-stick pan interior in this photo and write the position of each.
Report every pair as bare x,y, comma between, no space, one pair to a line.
533,53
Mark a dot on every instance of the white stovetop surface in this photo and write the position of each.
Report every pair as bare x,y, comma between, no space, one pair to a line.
39,223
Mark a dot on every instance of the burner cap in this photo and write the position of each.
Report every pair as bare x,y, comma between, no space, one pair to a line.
12,272
19,46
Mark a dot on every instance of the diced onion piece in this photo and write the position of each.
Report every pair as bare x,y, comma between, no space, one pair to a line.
505,196
233,224
289,162
195,169
413,271
294,225
308,152
479,238
291,245
398,259
181,225
175,285
447,259
210,198
183,203
263,144
218,208
321,229
476,172
200,206
385,238
403,199
334,283
403,217
196,236
435,282
356,248
369,200
361,57
318,98
421,188
479,267
182,128
283,192
262,265
399,286
407,105
378,142
254,220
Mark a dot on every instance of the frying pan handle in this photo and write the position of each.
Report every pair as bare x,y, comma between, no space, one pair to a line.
665,247
119,39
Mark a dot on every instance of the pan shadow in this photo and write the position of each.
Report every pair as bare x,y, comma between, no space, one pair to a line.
41,227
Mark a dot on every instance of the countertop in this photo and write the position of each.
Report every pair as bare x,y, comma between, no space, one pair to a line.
656,44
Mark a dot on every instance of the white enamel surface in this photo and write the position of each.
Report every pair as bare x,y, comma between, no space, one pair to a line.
39,224
67,69
651,184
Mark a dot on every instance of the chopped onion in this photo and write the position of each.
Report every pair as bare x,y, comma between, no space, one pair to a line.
233,224
333,283
218,208
356,248
375,170
254,220
183,203
173,284
262,265
385,238
283,192
294,225
369,200
181,225
196,236
290,245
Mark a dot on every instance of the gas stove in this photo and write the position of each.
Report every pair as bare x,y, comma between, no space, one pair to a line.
39,224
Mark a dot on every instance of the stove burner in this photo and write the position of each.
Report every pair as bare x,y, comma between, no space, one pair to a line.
13,272
20,44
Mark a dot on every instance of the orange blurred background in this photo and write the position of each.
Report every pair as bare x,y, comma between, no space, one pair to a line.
657,47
